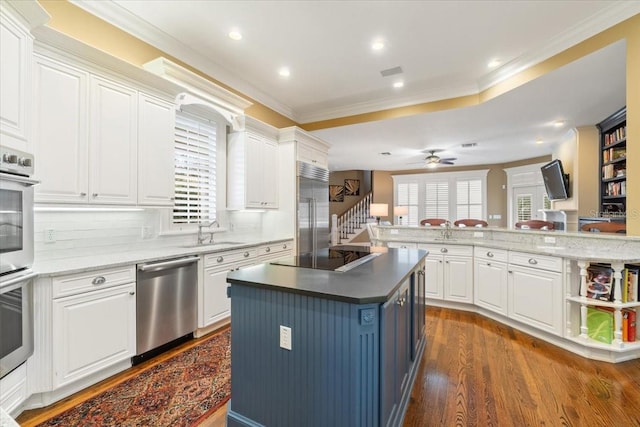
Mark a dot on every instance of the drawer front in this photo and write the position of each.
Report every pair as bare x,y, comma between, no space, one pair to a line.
491,254
542,262
435,249
223,259
274,248
92,280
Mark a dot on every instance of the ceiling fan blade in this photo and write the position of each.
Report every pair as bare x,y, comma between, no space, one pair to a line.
444,162
448,159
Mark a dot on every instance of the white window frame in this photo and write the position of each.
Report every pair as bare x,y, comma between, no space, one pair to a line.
452,178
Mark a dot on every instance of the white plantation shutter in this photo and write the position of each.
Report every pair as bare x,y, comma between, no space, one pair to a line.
407,195
195,170
469,199
523,203
436,199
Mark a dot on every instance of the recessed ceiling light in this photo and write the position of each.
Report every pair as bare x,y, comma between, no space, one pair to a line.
494,63
377,45
398,84
284,72
559,123
235,35
539,141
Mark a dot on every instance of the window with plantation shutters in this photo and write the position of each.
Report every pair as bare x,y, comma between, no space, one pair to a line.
407,195
523,206
469,199
446,195
195,170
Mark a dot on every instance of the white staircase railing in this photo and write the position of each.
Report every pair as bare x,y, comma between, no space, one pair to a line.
352,220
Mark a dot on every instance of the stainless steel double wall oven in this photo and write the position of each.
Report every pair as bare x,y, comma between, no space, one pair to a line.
16,258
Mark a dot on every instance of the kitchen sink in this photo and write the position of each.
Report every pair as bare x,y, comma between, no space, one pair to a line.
214,244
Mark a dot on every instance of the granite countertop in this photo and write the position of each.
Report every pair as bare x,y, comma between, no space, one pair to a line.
372,282
138,255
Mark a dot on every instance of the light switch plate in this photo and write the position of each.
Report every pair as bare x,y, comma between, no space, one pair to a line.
478,234
285,337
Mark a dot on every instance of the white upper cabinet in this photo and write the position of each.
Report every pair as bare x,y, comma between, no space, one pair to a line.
60,140
99,140
252,167
156,123
309,148
316,155
113,143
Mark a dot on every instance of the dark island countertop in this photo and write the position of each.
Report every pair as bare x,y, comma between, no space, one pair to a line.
372,282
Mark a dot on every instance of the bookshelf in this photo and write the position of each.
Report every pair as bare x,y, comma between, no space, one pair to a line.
613,164
620,305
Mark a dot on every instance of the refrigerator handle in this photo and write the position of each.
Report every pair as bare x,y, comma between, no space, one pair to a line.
314,224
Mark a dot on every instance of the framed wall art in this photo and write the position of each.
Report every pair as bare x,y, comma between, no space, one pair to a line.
336,193
352,187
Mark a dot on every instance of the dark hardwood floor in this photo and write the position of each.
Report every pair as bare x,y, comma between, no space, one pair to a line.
478,372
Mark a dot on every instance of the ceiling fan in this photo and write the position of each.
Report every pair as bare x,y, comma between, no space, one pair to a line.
431,161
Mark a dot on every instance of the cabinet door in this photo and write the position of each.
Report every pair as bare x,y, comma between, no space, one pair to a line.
535,298
156,123
434,277
15,79
215,305
490,289
92,331
458,279
60,139
254,169
418,308
270,174
113,143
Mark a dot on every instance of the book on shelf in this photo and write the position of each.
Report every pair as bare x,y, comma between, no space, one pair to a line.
600,324
629,325
630,276
617,135
600,282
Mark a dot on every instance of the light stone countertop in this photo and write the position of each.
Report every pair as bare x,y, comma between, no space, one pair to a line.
135,255
577,246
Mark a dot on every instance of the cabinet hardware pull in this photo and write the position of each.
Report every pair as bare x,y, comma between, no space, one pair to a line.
447,261
532,261
488,264
284,246
400,302
132,293
490,254
268,250
510,271
95,194
100,280
246,254
219,259
444,250
83,194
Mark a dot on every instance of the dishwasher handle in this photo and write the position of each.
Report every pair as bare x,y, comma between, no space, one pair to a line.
167,264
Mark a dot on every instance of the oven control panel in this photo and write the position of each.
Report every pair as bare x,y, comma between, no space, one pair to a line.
16,162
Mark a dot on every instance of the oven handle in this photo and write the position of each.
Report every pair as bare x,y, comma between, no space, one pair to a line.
15,280
18,179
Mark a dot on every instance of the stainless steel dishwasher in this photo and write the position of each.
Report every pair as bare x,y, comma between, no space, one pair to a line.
166,304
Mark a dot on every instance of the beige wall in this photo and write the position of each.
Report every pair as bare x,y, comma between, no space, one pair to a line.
496,186
337,178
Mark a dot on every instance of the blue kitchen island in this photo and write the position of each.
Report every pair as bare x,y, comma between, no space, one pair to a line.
315,347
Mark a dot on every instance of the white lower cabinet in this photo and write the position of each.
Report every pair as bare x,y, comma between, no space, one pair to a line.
215,305
535,294
491,277
449,272
94,318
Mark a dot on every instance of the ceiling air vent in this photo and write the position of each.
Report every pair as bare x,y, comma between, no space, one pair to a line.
391,71
469,145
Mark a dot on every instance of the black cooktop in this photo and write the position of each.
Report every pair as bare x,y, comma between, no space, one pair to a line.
327,258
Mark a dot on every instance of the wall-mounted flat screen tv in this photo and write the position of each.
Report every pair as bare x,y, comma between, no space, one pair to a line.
555,180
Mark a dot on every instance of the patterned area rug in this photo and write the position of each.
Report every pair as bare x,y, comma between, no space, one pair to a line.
181,391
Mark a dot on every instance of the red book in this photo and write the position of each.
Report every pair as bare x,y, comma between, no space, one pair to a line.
631,331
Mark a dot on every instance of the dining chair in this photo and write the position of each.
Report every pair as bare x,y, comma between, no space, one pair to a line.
534,224
432,221
605,227
468,222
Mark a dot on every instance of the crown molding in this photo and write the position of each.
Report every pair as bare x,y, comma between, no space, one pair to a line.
30,13
120,17
618,12
294,133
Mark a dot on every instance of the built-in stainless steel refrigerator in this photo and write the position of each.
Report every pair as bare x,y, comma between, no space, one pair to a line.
313,208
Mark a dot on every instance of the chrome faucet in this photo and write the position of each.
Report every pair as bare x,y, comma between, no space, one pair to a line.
202,238
446,232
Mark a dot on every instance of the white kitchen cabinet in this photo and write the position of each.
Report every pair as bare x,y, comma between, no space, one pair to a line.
60,140
252,167
535,291
273,251
156,130
94,318
490,279
449,272
215,305
16,45
316,155
113,134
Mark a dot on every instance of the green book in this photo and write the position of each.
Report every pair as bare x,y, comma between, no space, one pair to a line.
600,324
